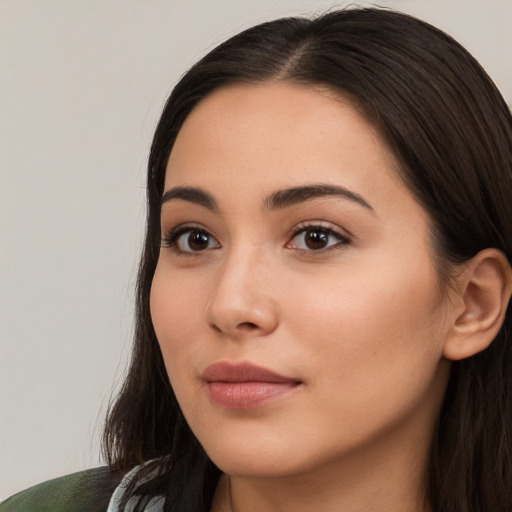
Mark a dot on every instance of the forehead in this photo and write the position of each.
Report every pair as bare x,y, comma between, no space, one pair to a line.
259,122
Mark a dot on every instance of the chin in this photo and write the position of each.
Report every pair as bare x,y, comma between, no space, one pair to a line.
248,458
256,467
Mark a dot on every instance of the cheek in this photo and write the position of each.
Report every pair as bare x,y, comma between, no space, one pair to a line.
175,315
373,329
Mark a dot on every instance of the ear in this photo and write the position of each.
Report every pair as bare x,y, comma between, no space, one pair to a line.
483,289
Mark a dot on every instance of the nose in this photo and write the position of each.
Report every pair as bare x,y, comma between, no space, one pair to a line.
243,302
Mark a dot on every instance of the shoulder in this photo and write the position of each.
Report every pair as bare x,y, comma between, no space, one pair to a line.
86,491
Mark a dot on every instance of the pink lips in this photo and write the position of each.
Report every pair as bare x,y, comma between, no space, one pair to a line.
245,386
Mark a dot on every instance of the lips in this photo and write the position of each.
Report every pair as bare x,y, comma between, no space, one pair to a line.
244,385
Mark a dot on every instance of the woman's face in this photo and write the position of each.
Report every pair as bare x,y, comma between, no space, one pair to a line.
295,298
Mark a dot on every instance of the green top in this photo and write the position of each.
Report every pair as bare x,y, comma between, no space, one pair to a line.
86,491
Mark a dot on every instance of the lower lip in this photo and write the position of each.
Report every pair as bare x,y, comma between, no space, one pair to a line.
247,395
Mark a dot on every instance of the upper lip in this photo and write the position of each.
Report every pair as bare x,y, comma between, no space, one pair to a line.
242,372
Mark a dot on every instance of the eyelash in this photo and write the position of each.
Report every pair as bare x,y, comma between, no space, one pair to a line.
326,229
171,240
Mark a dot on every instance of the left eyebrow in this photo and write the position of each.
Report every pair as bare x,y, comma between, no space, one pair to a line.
295,195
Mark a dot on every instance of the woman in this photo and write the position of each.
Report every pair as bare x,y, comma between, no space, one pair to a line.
322,300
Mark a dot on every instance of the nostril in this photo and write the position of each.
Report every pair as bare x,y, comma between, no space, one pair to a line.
247,326
243,326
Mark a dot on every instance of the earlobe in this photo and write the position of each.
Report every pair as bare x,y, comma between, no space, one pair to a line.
484,287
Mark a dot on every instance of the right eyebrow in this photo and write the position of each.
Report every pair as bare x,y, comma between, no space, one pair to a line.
192,195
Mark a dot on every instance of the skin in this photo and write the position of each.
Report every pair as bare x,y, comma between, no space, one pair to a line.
361,324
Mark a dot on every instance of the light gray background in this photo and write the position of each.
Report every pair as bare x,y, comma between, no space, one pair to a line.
82,83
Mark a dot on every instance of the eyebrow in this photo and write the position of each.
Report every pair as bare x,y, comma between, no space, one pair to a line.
276,201
291,196
192,195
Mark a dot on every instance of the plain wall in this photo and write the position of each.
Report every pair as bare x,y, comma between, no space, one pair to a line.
81,86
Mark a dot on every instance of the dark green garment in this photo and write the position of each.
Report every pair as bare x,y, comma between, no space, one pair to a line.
86,491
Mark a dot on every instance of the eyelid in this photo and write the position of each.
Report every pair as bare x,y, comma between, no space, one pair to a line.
341,235
169,240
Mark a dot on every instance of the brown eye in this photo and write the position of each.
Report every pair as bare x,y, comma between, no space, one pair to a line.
197,240
316,238
188,240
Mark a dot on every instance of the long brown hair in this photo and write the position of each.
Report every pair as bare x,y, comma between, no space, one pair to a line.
451,131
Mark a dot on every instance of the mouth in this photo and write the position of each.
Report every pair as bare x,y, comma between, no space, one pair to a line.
245,386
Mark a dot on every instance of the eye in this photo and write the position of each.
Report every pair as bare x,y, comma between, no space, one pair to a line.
316,238
189,240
